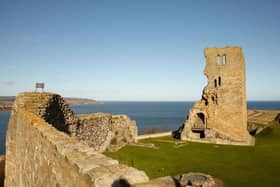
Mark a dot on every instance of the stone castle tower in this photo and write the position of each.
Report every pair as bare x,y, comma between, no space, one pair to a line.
221,114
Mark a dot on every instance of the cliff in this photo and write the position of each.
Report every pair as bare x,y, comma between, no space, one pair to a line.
6,102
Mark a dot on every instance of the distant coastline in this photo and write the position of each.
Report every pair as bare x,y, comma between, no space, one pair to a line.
6,102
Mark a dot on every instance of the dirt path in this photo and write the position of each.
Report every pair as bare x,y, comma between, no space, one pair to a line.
145,136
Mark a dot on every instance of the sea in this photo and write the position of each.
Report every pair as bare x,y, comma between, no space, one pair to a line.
149,116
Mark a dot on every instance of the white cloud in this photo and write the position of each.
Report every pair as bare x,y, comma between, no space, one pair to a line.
5,82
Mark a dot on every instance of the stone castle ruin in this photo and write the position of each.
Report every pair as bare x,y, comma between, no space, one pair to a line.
48,145
221,114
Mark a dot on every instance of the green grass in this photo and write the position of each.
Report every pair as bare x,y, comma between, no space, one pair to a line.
235,165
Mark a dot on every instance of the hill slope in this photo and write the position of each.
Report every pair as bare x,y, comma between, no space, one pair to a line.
6,102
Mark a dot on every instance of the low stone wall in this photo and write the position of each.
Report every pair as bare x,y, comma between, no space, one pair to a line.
265,117
258,120
37,154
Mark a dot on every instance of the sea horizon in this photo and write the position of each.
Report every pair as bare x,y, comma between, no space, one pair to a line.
147,114
173,100
117,100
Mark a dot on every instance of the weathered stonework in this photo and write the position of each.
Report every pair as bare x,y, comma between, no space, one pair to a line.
105,131
38,154
52,108
258,120
100,131
95,130
221,114
124,132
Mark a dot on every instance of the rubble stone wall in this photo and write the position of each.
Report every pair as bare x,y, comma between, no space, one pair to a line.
100,131
37,154
106,132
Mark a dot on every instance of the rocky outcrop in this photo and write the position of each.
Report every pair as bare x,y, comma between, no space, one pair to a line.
105,131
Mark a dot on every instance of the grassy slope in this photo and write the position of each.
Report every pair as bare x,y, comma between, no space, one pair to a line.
236,166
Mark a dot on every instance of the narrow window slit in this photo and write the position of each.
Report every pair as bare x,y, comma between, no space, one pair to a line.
224,59
218,59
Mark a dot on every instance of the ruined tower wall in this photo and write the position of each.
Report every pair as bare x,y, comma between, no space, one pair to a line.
228,112
221,115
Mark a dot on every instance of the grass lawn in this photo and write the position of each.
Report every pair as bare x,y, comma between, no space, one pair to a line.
235,165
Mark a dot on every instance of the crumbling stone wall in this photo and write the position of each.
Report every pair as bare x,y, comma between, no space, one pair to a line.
124,132
37,154
95,130
105,131
52,108
100,131
221,114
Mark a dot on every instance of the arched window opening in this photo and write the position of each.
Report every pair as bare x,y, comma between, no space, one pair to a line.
220,81
215,83
224,59
218,59
201,118
199,124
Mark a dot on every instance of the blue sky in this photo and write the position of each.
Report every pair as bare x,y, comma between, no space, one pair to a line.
134,49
